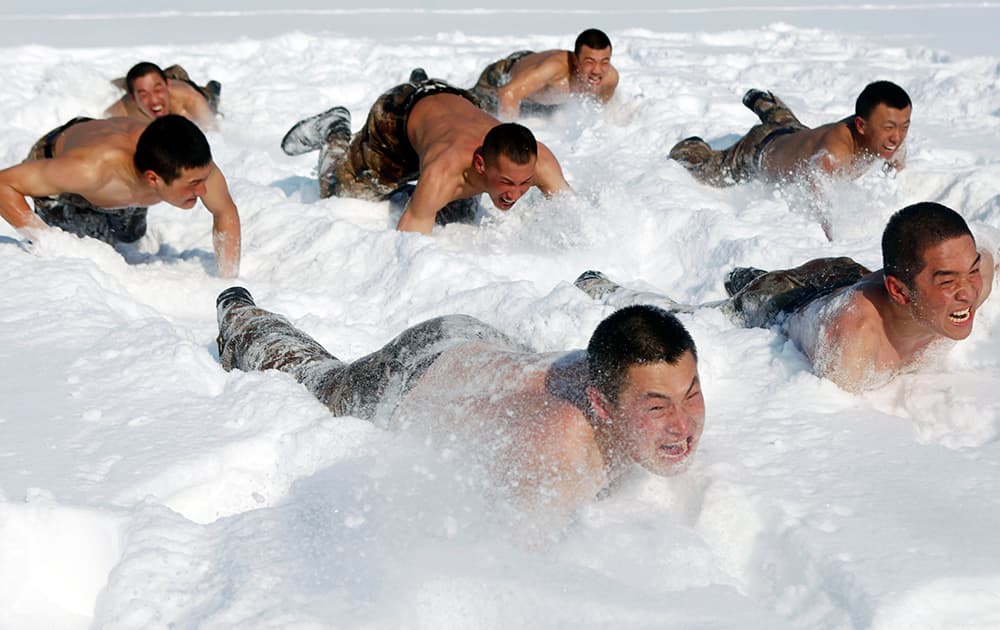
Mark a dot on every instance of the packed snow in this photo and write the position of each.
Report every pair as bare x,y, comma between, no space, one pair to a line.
141,486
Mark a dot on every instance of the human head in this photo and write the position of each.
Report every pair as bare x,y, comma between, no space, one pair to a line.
932,269
147,85
592,38
882,118
507,161
643,387
174,156
911,231
591,58
880,93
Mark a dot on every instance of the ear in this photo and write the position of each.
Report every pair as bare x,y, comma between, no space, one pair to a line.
898,292
151,178
478,161
599,403
859,125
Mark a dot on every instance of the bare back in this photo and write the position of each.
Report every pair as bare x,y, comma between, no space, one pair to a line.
829,148
844,336
513,411
445,130
92,159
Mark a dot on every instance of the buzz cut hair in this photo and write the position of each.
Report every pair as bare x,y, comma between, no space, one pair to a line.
139,70
591,38
880,93
635,335
511,140
914,229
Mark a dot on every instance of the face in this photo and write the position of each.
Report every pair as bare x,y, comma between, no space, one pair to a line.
184,191
592,65
661,414
151,95
946,292
884,130
506,182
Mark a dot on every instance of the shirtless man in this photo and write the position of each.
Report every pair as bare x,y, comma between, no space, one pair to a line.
86,176
536,83
782,148
151,93
428,129
859,328
552,429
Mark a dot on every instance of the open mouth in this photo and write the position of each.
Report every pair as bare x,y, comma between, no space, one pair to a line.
962,316
677,450
506,202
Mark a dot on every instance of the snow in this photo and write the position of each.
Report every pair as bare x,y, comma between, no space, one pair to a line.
141,486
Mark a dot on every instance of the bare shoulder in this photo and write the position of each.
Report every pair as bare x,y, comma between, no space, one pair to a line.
852,349
182,89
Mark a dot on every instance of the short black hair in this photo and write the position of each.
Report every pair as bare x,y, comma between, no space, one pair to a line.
880,92
514,141
171,143
591,38
635,335
914,229
141,69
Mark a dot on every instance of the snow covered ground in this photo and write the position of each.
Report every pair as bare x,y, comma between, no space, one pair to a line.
141,486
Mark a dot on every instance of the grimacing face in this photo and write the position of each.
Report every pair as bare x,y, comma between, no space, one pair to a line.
885,130
592,65
189,186
945,294
506,181
151,95
660,414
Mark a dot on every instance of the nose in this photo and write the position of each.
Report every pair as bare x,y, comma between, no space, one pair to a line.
200,189
682,424
967,291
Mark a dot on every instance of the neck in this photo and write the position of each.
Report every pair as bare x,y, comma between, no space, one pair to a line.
905,334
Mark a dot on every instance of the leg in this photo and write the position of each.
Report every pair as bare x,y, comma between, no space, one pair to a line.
771,110
767,298
734,165
251,338
379,159
600,287
311,133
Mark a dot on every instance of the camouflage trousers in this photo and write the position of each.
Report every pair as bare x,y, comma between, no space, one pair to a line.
740,162
252,338
379,160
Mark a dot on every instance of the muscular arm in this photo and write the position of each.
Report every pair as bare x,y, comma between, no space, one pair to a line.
435,189
608,86
522,85
41,178
225,224
548,174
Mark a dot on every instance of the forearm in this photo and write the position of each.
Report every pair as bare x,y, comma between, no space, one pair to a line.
227,243
410,222
15,210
